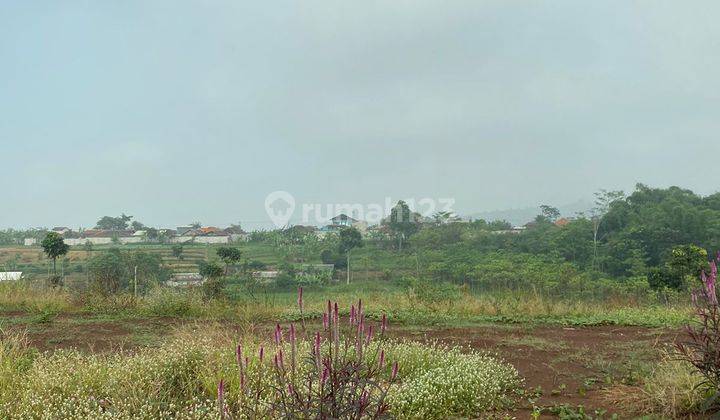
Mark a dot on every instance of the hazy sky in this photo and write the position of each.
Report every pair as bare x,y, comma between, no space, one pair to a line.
175,111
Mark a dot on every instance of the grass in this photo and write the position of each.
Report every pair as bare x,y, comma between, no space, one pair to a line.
268,304
673,389
178,379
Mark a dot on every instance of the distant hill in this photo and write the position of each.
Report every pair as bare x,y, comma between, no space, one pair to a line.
523,215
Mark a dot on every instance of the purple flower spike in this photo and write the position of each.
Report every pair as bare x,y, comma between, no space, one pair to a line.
221,398
278,334
381,360
394,373
262,353
325,374
316,346
239,355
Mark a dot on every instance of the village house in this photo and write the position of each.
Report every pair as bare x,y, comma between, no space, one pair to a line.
340,222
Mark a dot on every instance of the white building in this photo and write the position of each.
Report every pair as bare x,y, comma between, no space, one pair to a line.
10,275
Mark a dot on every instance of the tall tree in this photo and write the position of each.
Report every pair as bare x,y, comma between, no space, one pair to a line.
403,222
229,255
54,246
603,201
549,212
114,223
177,251
350,238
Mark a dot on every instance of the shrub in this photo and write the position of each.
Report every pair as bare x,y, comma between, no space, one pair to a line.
702,349
673,390
429,292
341,375
461,385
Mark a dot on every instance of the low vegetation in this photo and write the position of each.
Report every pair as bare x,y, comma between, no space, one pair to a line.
345,370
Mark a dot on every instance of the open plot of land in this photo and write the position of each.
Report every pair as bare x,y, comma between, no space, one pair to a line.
562,366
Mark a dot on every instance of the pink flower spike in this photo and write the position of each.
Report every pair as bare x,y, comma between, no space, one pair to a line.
394,373
239,355
262,353
316,346
336,314
381,361
369,335
383,324
221,398
278,334
292,333
325,374
326,322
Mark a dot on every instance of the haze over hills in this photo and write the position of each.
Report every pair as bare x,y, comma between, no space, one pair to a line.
523,215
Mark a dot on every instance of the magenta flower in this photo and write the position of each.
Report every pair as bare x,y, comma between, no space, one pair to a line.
278,334
221,398
381,360
394,372
324,376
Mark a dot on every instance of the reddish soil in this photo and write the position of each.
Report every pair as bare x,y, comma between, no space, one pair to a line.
561,365
571,366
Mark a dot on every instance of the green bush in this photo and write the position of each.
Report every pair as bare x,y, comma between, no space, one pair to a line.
439,382
429,292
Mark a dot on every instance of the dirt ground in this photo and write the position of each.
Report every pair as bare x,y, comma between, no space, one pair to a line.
561,365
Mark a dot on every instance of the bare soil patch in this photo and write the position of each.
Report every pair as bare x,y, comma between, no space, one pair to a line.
561,365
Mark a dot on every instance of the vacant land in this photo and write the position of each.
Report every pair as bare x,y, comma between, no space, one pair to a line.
564,367
582,345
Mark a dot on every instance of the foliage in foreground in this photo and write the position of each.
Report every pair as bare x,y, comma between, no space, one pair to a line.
180,379
702,349
673,390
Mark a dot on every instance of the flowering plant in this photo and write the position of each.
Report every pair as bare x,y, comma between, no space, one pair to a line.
702,348
338,372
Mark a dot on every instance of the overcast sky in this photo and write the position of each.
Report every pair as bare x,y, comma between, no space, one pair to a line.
176,111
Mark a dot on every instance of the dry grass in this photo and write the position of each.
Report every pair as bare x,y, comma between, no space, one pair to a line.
673,391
